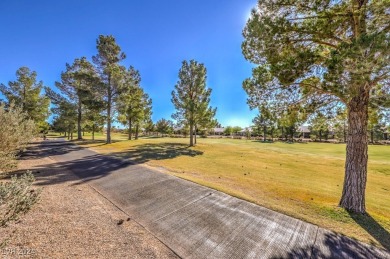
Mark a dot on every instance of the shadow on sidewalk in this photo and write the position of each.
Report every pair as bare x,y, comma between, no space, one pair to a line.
90,166
332,246
38,150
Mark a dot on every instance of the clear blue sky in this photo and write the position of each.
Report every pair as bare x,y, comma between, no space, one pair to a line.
155,35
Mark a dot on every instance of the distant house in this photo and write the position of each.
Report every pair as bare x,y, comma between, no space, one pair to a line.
217,131
177,129
305,131
244,131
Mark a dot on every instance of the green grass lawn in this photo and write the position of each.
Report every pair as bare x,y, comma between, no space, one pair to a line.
301,180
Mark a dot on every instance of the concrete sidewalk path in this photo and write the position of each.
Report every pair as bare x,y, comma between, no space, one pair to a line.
198,222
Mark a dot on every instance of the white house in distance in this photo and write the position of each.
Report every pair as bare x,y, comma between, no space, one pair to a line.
305,131
177,129
217,131
245,131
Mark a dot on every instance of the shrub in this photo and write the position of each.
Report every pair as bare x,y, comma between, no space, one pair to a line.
15,133
16,197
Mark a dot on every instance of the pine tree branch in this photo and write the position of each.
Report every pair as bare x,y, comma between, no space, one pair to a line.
316,17
315,41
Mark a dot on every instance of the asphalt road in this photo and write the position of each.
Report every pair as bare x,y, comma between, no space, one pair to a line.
198,222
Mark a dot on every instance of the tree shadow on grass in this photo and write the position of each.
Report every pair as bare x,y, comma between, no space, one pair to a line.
373,228
49,136
162,151
263,142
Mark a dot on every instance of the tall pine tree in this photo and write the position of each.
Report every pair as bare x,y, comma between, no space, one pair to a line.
134,105
76,85
107,62
191,97
25,92
316,53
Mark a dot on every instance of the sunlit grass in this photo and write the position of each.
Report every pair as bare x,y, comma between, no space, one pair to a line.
301,180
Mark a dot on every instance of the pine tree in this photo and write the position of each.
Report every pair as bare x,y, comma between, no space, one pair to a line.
317,53
164,126
94,120
65,111
25,92
320,126
340,124
191,97
263,121
107,62
76,85
134,105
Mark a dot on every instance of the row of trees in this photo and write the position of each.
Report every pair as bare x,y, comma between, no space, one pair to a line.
92,94
321,125
86,91
89,89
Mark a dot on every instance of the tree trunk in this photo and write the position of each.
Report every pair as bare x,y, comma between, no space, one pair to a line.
195,134
353,197
79,136
285,135
93,131
372,136
71,135
292,133
129,129
320,135
109,100
24,99
136,131
345,133
264,133
191,134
